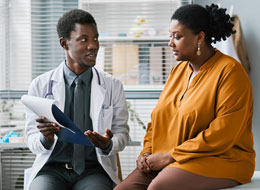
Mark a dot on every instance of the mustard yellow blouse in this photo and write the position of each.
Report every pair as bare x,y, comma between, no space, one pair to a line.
207,127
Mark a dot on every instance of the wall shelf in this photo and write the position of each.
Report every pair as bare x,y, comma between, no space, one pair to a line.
132,38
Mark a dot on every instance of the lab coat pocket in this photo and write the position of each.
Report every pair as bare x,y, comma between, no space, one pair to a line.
107,117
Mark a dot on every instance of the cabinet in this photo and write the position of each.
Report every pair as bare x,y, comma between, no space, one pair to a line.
139,62
14,159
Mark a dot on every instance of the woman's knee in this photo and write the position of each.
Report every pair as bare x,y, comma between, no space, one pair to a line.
121,186
154,186
136,180
168,178
162,185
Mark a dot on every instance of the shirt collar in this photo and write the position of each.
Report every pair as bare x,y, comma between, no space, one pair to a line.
211,61
70,76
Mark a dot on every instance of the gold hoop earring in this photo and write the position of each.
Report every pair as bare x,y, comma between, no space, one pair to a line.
198,51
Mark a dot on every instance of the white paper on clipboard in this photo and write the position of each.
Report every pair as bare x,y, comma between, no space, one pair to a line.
46,107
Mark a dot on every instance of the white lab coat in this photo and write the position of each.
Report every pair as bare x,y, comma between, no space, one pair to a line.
107,110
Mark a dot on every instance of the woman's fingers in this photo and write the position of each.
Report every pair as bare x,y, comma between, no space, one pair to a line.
142,165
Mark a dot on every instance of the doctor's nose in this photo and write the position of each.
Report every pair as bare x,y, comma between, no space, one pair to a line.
93,45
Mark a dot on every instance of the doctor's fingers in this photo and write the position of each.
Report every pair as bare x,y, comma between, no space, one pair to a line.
109,133
89,134
97,137
48,134
48,127
102,142
42,120
96,141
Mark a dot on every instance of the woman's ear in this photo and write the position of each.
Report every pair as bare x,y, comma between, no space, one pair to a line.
201,37
63,43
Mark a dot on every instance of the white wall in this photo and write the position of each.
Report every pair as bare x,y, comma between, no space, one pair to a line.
249,14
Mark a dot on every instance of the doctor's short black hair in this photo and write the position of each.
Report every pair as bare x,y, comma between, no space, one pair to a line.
66,23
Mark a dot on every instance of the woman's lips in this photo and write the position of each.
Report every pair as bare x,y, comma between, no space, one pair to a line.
175,52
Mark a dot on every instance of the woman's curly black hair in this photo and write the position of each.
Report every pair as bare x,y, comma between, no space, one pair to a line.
212,20
66,23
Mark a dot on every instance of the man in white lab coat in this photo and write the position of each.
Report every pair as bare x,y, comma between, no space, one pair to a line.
104,115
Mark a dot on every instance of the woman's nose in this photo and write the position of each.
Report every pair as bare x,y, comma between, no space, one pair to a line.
171,43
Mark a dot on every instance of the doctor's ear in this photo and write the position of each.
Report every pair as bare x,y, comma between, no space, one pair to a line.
63,43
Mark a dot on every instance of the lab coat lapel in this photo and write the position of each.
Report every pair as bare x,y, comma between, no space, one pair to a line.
58,88
97,98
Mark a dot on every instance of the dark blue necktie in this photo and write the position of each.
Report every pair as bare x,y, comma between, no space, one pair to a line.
78,150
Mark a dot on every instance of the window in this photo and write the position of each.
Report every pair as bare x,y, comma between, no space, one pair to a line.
31,47
134,39
133,47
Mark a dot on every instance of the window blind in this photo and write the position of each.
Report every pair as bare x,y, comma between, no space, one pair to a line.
139,115
13,163
15,52
46,50
133,42
15,61
31,47
134,39
133,47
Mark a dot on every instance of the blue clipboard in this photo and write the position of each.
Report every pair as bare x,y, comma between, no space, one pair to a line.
74,135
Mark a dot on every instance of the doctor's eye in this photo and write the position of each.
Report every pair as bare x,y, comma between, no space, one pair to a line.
84,39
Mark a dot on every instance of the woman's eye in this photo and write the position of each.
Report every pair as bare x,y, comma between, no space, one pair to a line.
96,39
83,39
177,37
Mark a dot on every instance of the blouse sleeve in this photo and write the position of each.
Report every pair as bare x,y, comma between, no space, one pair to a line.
147,140
233,109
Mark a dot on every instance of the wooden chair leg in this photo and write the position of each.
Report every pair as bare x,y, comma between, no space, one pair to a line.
119,168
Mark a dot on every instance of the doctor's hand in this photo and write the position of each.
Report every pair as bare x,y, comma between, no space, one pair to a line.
141,163
159,160
47,128
100,141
